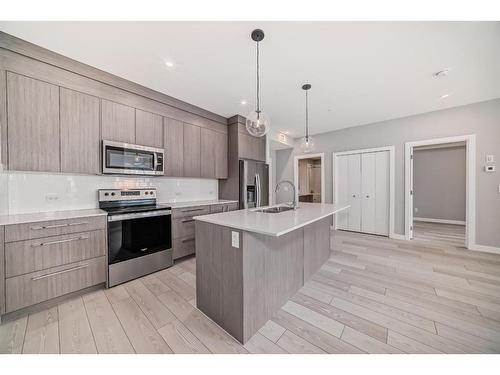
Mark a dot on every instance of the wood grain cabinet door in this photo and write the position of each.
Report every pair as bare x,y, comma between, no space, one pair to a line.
118,122
192,146
148,129
80,133
221,155
33,123
207,160
173,143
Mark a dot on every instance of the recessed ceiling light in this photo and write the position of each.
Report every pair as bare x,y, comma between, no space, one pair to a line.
445,96
243,102
442,73
169,64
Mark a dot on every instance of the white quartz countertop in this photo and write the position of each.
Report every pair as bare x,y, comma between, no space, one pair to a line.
273,224
46,216
197,203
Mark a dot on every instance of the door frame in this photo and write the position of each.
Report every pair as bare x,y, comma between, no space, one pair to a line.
391,150
470,185
320,155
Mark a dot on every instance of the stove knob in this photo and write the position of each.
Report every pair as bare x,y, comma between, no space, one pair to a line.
146,193
151,193
106,194
112,194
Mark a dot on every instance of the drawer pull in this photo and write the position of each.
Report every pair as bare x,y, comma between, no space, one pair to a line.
35,278
188,239
58,225
193,210
187,220
60,241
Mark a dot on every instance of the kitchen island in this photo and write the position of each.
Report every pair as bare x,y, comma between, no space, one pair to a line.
249,262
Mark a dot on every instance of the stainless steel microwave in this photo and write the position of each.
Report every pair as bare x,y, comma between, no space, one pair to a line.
126,158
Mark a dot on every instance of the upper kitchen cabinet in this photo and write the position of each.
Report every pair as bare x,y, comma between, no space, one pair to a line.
33,124
207,150
173,143
250,147
118,122
148,129
221,150
80,136
192,145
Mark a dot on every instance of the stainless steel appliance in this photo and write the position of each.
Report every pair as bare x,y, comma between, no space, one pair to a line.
254,184
139,233
126,158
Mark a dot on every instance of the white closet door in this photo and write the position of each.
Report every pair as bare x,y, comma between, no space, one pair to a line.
343,191
368,206
354,181
382,193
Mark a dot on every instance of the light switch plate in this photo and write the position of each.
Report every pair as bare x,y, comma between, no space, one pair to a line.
235,239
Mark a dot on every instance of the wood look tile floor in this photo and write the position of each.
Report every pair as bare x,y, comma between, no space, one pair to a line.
374,295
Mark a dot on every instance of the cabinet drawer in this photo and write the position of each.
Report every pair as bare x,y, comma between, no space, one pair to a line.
216,208
183,227
190,211
28,231
183,246
232,206
36,287
34,255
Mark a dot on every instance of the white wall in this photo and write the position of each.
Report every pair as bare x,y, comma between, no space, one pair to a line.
482,119
41,192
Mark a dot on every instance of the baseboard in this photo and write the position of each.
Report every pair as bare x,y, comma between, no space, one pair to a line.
397,236
485,249
440,221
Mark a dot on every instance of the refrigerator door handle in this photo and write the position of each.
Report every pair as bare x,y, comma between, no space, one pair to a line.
258,188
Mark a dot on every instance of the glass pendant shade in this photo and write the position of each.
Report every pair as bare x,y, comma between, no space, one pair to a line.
257,124
307,144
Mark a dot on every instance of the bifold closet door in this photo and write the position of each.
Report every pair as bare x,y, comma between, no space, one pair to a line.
343,192
375,192
349,190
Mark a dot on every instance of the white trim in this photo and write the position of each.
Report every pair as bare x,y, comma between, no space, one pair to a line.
296,173
485,249
470,201
396,236
440,221
392,190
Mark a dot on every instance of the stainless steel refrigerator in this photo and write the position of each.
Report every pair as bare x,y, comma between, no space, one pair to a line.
254,184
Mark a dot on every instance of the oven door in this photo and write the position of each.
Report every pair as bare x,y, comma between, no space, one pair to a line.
137,235
124,158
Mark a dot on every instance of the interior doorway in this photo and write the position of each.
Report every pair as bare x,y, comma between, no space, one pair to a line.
440,190
309,176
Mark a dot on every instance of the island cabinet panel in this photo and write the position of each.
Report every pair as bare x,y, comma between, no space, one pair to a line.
117,122
33,128
148,129
221,155
207,161
80,132
316,246
2,272
173,143
192,146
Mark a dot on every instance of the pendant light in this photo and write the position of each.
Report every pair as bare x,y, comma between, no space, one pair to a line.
307,144
257,122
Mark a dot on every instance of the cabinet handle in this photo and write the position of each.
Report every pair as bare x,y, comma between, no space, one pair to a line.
35,278
188,239
187,220
80,223
60,241
58,225
193,210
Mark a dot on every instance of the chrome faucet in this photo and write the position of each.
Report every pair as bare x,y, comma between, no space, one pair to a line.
278,186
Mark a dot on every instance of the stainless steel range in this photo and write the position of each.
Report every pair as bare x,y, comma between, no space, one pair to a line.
139,233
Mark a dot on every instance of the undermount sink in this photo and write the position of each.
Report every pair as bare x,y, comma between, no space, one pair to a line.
274,210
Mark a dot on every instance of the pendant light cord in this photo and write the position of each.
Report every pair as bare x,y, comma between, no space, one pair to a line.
307,117
258,82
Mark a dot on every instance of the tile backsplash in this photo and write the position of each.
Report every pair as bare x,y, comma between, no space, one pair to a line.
24,192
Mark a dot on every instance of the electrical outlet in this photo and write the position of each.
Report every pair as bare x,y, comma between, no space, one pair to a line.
235,239
51,197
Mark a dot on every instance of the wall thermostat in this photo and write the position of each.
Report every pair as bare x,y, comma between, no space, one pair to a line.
489,168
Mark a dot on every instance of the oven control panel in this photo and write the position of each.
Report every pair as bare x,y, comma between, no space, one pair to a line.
109,195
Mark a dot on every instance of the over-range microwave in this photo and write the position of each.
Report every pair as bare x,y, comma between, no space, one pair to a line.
126,158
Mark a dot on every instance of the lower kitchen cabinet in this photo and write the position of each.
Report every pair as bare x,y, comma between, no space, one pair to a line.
2,272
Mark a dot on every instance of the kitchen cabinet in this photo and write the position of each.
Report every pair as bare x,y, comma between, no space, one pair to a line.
33,124
117,122
2,272
80,132
191,150
207,150
173,143
183,227
148,129
250,147
221,150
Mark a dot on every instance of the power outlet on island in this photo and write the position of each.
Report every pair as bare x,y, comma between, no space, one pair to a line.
235,239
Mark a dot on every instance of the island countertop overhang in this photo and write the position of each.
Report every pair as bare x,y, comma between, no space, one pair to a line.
273,224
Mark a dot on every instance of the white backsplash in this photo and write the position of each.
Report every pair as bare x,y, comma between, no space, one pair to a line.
41,192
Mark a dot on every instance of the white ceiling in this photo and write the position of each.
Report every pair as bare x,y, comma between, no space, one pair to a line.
361,72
